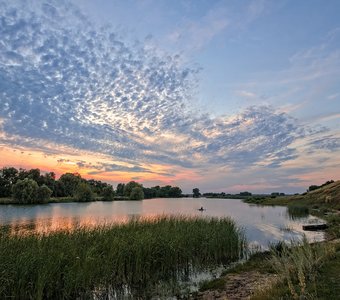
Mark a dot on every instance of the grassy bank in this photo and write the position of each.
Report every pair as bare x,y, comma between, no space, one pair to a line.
303,271
105,260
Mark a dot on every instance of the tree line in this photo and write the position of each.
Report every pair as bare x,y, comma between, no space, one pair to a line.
31,186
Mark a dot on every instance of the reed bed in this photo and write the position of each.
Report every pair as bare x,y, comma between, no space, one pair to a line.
129,258
297,266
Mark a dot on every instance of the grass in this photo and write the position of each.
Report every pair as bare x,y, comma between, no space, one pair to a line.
215,284
328,280
108,260
304,272
6,200
256,262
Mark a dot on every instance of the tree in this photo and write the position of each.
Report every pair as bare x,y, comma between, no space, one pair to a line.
70,182
49,180
59,189
8,177
43,194
245,194
25,191
175,192
137,193
97,186
108,193
83,193
120,189
196,193
149,193
129,186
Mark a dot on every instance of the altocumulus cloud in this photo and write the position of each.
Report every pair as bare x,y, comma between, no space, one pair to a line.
64,81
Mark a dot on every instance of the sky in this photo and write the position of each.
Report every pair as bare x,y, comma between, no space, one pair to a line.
226,96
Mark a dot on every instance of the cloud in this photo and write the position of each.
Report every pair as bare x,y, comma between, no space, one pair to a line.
66,82
197,34
330,143
246,94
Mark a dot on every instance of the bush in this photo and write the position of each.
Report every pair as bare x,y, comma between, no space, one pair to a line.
43,194
25,191
83,193
108,193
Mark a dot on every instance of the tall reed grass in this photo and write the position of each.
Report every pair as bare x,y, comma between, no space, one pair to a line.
129,258
297,266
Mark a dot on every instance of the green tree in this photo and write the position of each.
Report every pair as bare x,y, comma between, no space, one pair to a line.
149,193
196,193
108,193
25,191
83,193
120,189
59,189
70,183
8,177
49,180
129,186
97,186
175,192
245,194
43,194
137,193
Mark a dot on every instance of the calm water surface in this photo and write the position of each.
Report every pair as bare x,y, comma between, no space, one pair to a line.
262,225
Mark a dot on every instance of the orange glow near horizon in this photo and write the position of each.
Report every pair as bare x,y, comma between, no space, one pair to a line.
67,163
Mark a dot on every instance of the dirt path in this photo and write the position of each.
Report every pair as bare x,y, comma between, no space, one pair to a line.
239,286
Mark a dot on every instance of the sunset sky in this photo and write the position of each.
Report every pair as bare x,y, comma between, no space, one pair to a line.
221,95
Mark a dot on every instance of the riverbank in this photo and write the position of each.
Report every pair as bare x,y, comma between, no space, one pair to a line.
302,272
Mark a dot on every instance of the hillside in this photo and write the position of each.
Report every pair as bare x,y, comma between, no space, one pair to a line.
328,195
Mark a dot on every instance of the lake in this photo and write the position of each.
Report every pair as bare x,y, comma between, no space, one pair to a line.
262,224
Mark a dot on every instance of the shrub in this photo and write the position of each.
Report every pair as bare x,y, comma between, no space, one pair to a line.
25,191
83,193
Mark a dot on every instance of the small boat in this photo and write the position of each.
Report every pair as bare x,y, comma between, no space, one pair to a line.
315,227
201,209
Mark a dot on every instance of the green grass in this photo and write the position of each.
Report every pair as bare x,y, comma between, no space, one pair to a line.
215,284
137,255
258,261
305,271
7,200
328,279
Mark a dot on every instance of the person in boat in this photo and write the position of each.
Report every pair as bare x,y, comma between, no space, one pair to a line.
201,209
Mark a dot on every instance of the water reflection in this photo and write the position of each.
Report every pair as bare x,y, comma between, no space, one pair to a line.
262,225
